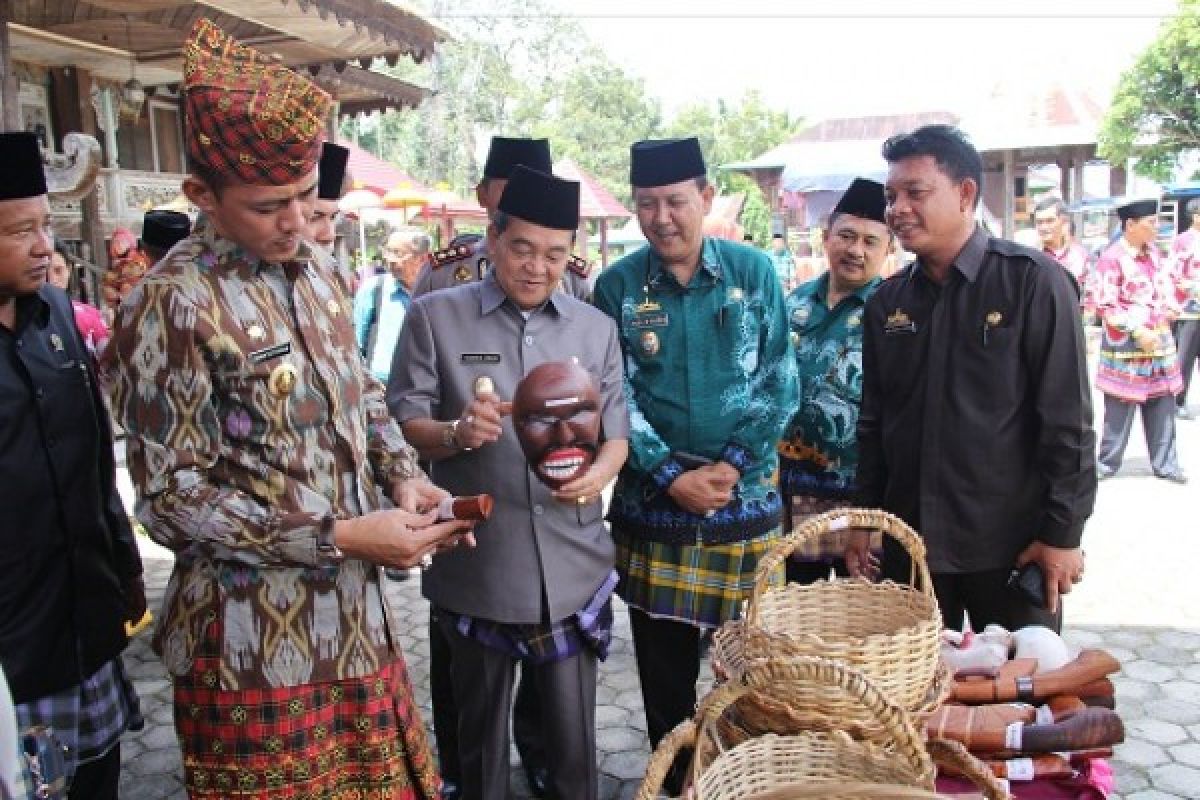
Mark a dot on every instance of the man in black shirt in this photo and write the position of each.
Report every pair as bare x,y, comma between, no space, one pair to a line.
976,421
70,574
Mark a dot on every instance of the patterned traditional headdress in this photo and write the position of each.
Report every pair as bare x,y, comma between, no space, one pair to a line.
249,117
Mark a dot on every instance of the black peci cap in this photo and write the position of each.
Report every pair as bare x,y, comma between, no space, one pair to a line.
864,198
661,162
21,173
505,155
331,171
541,199
163,229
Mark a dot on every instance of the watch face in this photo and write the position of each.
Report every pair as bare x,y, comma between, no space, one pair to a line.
556,415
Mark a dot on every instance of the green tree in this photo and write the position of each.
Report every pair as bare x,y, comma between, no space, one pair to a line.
1155,112
591,114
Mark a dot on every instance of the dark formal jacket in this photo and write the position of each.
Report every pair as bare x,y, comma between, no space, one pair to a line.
976,418
66,548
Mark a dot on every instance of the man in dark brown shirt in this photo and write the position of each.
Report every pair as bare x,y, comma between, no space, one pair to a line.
976,421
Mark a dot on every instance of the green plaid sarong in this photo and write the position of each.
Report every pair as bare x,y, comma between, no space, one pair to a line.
700,585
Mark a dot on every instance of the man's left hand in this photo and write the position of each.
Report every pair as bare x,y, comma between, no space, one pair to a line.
1062,567
135,599
587,486
418,495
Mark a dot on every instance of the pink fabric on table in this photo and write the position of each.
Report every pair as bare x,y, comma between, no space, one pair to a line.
1094,781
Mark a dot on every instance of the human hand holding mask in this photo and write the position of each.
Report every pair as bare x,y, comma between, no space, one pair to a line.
556,416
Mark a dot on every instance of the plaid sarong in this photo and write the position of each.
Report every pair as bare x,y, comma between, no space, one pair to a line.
356,738
89,718
589,628
701,585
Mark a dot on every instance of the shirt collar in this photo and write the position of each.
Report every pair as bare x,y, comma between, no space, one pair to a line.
32,309
492,297
223,253
1130,249
820,289
970,259
710,264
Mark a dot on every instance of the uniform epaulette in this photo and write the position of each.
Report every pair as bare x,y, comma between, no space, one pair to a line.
578,265
450,255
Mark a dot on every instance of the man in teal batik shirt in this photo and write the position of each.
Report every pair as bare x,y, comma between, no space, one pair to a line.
818,455
710,384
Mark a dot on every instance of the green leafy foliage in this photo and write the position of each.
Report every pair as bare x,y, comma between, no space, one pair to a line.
1155,112
517,69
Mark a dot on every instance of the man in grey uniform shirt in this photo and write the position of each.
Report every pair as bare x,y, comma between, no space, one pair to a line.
537,587
464,263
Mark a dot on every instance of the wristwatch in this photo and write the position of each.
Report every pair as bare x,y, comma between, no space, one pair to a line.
450,437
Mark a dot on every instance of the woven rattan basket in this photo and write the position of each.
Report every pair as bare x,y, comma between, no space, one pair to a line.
889,631
823,755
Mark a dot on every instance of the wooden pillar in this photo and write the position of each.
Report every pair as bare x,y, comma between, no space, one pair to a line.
1118,180
603,242
1008,170
1076,183
9,90
91,227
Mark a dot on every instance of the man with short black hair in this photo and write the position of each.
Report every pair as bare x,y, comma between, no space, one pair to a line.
1138,367
1185,267
71,576
976,418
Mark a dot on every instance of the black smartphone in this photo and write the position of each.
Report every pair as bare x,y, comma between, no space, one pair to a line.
690,461
1030,581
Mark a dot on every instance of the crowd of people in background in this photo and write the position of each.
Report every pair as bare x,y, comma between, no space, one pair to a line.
293,428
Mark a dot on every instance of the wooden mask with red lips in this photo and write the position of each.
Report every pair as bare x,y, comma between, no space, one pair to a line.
556,415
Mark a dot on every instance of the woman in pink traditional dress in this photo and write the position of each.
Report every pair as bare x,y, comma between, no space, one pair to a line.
1135,299
88,318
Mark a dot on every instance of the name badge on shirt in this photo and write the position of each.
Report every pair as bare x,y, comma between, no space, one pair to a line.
650,320
267,353
899,323
480,358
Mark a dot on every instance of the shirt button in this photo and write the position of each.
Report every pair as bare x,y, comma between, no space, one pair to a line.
529,341
537,509
39,394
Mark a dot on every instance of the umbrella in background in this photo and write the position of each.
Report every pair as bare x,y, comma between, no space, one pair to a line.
407,198
354,203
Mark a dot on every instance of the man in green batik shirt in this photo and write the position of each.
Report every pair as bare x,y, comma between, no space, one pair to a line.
710,384
818,455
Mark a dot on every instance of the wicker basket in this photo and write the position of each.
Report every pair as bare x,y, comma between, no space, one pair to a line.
813,763
887,630
821,753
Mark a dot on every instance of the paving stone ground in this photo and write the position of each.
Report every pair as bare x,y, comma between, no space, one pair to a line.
1140,600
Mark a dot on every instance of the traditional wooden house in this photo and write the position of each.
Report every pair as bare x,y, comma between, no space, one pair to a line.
113,68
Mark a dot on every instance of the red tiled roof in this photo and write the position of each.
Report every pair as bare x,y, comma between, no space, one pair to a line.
595,202
372,173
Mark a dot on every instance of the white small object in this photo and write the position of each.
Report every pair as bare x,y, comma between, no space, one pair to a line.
427,561
1020,769
1045,715
1043,644
839,524
1012,735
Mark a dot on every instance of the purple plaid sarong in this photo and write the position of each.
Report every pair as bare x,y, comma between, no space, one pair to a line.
545,643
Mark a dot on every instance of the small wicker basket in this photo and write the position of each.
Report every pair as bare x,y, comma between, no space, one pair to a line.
896,759
889,631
